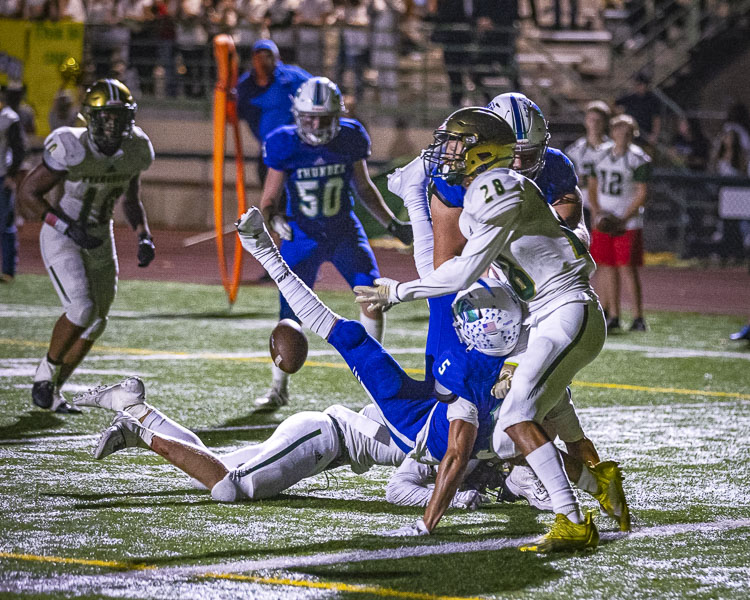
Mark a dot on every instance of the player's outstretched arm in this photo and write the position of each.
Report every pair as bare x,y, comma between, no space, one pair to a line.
270,203
373,201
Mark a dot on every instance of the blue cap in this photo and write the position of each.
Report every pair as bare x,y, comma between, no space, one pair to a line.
269,45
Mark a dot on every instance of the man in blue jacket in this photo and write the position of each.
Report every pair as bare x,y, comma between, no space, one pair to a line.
264,94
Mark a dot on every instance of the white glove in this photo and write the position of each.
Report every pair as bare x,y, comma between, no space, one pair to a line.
504,379
281,227
415,529
381,295
252,231
469,500
410,182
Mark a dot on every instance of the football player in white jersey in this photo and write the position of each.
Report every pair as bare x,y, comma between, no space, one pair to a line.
617,193
510,227
303,445
97,164
588,149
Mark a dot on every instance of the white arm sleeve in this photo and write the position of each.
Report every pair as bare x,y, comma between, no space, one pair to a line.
464,410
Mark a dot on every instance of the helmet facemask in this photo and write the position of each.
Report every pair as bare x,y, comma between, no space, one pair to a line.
317,107
108,127
529,158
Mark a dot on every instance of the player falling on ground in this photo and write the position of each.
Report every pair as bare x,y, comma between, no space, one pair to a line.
98,164
424,421
509,226
320,162
303,445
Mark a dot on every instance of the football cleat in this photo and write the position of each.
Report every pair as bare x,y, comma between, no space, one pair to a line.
272,400
566,536
121,396
610,495
42,393
122,433
742,334
523,483
60,404
638,324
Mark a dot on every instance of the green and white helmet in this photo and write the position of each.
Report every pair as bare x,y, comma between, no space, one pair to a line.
317,107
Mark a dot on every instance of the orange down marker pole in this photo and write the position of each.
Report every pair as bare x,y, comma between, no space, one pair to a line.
225,108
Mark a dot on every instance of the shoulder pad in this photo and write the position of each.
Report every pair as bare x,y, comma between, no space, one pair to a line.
143,149
63,148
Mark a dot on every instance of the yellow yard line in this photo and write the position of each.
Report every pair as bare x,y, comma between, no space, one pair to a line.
114,564
340,365
335,586
321,585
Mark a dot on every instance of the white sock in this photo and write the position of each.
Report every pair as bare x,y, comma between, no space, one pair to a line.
315,315
280,380
547,463
159,423
374,327
587,482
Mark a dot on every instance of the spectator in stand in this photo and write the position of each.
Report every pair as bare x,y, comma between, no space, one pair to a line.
589,149
11,146
385,47
310,19
617,193
453,30
193,50
264,94
645,107
738,120
730,160
354,44
494,21
690,148
572,14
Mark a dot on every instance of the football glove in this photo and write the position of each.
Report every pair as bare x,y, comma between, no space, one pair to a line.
415,529
409,182
146,250
609,224
504,379
73,230
381,295
469,500
281,227
401,230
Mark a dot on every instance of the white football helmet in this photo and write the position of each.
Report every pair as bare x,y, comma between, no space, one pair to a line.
316,107
530,127
487,316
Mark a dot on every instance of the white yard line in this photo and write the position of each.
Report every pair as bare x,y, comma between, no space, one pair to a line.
297,562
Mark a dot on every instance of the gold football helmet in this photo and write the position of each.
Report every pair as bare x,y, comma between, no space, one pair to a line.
471,141
109,112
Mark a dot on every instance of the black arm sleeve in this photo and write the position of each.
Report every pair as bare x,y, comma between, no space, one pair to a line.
17,147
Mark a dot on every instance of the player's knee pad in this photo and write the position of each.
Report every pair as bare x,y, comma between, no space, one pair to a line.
81,312
95,329
347,335
227,490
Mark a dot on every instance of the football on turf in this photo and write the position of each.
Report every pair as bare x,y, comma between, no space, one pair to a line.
288,346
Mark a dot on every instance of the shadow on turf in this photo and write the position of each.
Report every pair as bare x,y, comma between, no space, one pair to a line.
223,314
34,421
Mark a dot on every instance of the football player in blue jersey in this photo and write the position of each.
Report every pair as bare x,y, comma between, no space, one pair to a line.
320,162
448,417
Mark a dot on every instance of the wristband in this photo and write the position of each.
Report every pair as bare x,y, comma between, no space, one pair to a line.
51,219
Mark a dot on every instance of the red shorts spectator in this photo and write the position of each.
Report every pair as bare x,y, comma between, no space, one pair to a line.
618,251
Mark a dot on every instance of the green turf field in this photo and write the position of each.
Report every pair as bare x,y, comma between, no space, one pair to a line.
673,405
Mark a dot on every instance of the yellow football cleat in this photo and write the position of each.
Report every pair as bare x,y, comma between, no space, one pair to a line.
611,496
566,536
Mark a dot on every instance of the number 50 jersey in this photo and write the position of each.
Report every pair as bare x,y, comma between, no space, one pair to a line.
318,187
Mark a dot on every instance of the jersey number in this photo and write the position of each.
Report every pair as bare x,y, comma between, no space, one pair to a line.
444,366
105,210
611,182
499,190
314,202
520,281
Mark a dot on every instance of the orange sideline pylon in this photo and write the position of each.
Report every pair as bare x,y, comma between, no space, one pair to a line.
225,109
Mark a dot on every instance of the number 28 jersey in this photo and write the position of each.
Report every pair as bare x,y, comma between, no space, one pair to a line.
94,181
318,186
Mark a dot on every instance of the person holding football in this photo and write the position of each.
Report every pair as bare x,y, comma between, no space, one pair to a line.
98,164
618,188
316,168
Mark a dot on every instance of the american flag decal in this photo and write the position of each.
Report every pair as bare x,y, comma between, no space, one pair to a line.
490,327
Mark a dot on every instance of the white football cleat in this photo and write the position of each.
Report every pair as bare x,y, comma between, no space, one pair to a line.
272,400
127,395
253,233
524,483
122,433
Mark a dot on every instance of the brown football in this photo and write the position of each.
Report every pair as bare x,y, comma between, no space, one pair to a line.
288,346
